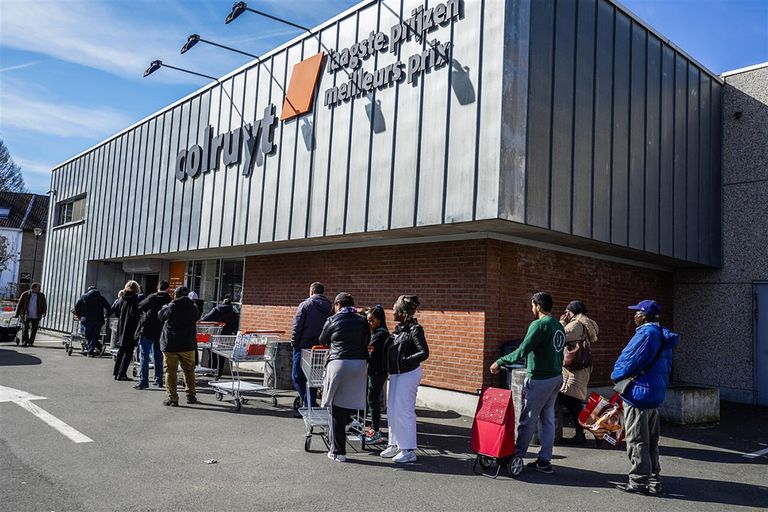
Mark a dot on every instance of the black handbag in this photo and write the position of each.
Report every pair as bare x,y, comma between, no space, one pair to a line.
623,385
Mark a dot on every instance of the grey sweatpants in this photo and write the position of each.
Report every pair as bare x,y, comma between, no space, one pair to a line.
642,437
538,408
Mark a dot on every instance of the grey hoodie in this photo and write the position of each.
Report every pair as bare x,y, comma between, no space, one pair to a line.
309,320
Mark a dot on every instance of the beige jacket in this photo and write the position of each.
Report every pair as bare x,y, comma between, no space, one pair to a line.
575,383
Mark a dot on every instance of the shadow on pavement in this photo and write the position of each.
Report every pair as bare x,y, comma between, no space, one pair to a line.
675,487
14,358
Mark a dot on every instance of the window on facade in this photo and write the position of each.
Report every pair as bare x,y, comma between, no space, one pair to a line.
5,213
71,211
213,280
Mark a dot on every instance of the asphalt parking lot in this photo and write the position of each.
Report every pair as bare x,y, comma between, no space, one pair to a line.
146,457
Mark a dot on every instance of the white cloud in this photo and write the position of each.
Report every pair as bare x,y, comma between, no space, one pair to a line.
105,36
55,118
18,66
37,175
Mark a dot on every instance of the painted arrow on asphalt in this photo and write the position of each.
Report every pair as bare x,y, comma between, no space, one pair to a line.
24,400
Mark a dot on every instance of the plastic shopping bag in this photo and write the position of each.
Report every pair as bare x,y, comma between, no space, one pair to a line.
604,418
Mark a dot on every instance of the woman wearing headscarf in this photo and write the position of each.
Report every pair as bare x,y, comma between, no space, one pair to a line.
346,372
405,351
127,311
580,333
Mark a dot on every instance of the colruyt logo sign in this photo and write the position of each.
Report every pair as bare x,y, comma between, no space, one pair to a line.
251,141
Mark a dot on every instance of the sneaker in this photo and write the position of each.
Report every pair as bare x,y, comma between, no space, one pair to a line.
405,456
337,458
141,386
171,403
389,452
655,490
541,466
632,488
191,399
373,438
158,384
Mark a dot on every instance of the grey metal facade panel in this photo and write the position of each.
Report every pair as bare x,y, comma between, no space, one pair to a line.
583,118
603,129
667,158
562,145
644,110
539,145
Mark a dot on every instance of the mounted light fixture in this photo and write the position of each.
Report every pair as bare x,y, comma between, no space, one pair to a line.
195,38
191,41
240,7
157,64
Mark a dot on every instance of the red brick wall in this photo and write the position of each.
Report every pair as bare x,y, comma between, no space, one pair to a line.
606,288
449,279
475,295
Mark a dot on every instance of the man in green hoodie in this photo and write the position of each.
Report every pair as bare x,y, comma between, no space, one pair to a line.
543,346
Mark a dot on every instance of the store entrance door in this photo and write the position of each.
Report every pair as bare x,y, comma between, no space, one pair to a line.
761,342
148,282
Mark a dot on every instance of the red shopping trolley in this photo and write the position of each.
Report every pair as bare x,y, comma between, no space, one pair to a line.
493,434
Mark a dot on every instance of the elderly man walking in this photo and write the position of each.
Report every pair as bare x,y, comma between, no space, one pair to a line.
179,344
31,309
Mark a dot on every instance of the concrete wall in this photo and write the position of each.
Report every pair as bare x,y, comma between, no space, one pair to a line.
713,308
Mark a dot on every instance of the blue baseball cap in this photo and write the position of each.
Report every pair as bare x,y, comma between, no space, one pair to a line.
649,307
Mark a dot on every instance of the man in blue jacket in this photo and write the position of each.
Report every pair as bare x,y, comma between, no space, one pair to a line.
92,308
307,325
647,359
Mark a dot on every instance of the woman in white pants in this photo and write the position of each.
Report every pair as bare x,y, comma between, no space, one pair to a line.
405,352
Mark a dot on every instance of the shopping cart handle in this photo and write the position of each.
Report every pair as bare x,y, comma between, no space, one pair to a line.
318,347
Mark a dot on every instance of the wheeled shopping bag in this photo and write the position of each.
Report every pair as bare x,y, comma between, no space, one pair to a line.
493,434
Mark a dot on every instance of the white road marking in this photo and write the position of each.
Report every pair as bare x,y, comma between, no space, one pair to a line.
24,400
758,453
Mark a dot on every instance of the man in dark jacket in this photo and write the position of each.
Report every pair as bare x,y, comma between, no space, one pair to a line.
307,325
31,309
92,308
179,344
647,359
150,328
223,313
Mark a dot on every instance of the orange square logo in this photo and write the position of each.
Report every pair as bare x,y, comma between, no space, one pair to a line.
301,89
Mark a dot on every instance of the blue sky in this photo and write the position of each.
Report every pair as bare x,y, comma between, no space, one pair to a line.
71,70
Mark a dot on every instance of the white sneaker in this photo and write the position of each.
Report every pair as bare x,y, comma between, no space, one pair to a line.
341,458
405,456
389,452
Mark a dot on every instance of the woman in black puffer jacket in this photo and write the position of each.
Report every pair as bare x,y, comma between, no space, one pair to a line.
405,352
347,334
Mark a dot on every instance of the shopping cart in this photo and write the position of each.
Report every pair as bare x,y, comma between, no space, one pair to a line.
493,434
9,328
112,322
316,419
77,337
205,331
248,347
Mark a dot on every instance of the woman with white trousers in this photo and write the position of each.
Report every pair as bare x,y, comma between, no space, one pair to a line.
405,351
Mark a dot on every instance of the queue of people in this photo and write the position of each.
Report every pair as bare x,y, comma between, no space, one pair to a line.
559,362
363,354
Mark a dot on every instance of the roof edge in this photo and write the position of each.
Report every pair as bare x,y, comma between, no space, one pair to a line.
747,69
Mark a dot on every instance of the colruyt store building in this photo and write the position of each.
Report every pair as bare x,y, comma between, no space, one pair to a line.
471,152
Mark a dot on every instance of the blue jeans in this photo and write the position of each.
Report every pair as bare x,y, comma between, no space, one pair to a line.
145,345
300,380
92,333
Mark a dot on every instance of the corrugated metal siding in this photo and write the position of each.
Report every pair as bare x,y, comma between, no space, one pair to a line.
431,156
620,134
